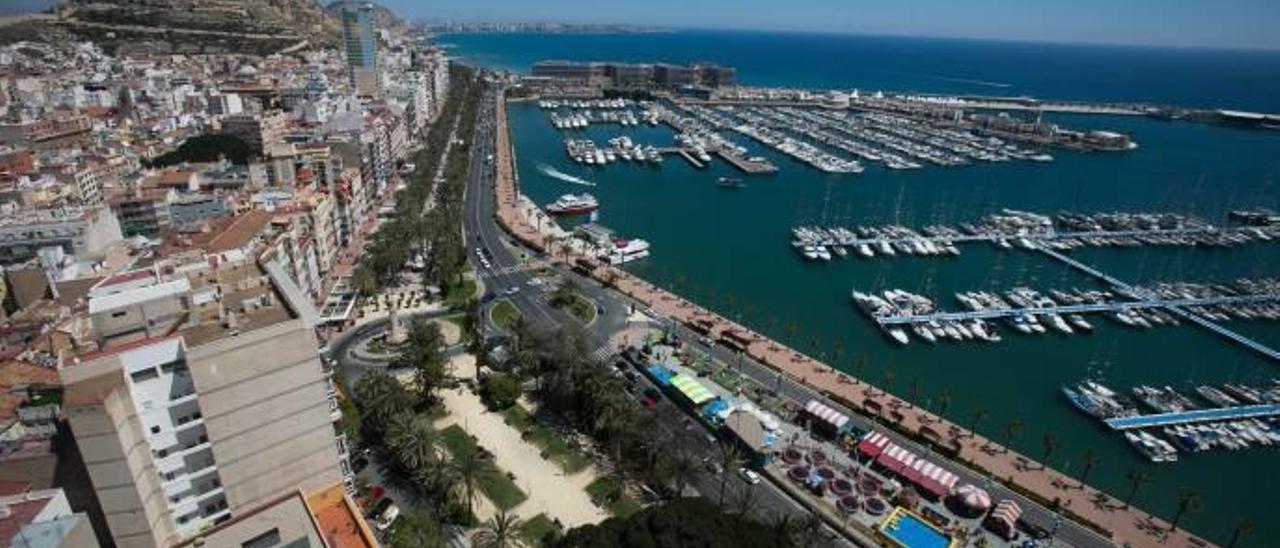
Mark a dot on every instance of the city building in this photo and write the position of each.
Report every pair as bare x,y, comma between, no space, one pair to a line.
83,232
360,44
41,519
197,396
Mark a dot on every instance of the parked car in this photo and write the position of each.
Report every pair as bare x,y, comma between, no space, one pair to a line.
387,517
749,476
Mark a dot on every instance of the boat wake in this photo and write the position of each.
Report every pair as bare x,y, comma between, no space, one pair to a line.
557,174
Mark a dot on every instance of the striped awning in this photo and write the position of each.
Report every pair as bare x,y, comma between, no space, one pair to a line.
873,444
827,414
692,389
1007,512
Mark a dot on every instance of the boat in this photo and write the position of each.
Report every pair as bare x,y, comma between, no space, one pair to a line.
897,334
1080,323
570,204
1084,402
923,332
730,182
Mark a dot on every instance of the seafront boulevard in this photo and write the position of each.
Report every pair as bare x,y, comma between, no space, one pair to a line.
1126,525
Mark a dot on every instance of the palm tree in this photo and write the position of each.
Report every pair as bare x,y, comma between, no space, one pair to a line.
944,401
979,415
500,532
1090,461
861,367
730,460
809,531
1011,430
915,391
1050,443
1244,527
1137,477
413,442
889,377
1188,500
467,465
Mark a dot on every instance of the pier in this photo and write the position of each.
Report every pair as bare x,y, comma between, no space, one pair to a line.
684,154
1035,238
746,165
1078,309
1194,416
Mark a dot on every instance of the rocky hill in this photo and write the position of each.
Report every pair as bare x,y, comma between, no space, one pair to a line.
199,26
383,18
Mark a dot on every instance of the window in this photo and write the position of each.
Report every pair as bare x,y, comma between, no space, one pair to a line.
265,540
144,375
119,313
155,429
162,453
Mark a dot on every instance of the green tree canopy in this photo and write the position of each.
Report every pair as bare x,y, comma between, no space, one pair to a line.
677,524
207,148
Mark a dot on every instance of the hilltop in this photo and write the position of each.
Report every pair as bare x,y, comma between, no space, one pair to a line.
383,18
187,26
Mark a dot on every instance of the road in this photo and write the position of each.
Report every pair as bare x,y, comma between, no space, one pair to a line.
507,270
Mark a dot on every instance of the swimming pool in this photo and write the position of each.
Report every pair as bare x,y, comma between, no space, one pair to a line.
911,531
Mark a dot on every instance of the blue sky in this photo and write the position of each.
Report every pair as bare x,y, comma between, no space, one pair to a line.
1186,23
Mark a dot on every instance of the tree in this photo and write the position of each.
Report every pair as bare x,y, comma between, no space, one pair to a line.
1244,528
808,533
467,465
730,460
1011,430
380,397
1050,443
424,354
415,530
945,400
979,415
364,282
413,442
500,532
1137,477
1188,500
677,524
564,294
207,148
1090,461
499,390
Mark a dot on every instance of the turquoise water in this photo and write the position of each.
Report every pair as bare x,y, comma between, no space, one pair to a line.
912,532
728,251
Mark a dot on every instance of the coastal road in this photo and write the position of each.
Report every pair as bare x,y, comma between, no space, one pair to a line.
507,260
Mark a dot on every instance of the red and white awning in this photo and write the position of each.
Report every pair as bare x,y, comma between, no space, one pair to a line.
1007,512
873,444
826,414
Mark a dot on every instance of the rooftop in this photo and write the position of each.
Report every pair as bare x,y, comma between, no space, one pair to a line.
338,519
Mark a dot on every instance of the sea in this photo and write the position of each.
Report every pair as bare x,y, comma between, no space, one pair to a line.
728,249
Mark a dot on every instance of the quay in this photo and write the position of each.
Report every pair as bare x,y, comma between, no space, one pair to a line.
1043,237
1195,416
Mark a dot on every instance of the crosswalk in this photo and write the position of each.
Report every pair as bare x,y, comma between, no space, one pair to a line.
512,269
604,353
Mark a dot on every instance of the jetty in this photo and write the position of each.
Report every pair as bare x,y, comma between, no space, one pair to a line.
1194,416
1076,309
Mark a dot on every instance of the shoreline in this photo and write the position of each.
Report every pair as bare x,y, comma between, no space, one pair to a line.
1086,505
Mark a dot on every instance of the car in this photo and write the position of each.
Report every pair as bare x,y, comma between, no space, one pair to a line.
479,252
630,376
512,290
648,402
387,517
749,476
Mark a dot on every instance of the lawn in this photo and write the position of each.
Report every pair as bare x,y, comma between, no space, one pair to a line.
552,445
582,309
495,484
505,314
533,530
458,294
607,492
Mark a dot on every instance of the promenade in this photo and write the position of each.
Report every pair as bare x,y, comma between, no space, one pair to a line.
1127,525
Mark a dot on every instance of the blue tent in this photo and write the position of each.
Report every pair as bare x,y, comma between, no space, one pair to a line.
660,374
713,409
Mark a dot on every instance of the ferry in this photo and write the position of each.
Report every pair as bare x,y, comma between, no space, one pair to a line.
570,204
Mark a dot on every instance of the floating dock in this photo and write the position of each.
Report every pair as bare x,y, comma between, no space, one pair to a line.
1195,416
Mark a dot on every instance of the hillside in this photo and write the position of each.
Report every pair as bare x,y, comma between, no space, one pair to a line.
383,18
198,26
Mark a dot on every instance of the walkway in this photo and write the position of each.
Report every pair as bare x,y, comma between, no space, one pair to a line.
1129,525
550,491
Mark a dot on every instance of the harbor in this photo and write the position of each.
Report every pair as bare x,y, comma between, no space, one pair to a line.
669,207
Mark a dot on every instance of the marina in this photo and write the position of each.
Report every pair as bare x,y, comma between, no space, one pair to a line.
1033,231
663,205
1184,424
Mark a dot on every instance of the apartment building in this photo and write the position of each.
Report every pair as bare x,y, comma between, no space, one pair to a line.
198,397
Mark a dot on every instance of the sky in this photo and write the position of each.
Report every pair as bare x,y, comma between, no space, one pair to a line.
1247,24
